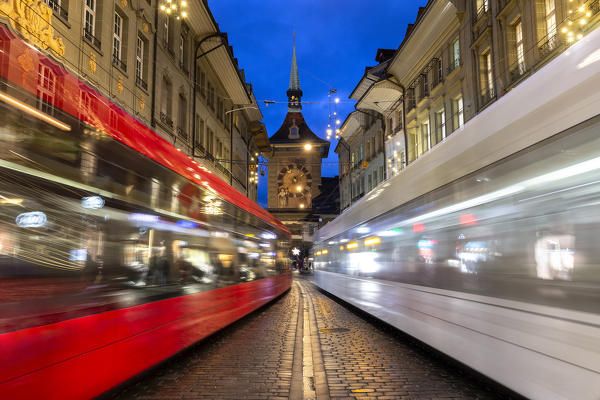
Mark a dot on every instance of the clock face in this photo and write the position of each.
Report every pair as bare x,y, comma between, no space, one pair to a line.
295,179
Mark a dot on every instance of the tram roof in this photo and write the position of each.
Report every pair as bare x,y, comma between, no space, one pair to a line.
133,133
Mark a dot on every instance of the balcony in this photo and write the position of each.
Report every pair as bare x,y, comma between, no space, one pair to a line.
502,5
141,83
57,9
220,167
482,11
201,149
423,94
437,80
487,97
453,65
549,44
165,119
182,133
358,197
516,72
594,7
94,41
119,63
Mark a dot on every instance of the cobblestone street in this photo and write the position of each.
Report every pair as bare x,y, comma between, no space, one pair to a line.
305,345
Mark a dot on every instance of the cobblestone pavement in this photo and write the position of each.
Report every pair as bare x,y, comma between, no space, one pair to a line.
304,346
251,359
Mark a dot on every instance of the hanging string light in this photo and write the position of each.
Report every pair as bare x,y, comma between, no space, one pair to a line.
333,119
576,23
176,8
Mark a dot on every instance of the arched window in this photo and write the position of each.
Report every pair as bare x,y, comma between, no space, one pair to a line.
294,132
46,88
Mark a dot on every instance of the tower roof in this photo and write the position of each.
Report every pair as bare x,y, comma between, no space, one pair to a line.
305,135
294,78
294,93
294,130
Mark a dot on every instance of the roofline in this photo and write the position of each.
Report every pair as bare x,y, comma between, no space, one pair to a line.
365,76
417,23
228,47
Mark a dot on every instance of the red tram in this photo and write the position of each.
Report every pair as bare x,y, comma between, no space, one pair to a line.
117,250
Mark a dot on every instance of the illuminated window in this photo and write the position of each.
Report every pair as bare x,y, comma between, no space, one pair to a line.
166,23
181,49
46,89
482,6
440,126
519,46
90,17
457,109
139,59
117,37
424,139
53,4
550,17
454,55
166,98
490,73
486,76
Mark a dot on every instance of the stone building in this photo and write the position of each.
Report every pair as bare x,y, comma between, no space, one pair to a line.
361,155
219,130
142,54
459,57
295,166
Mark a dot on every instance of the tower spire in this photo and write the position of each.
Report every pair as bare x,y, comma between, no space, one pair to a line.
294,92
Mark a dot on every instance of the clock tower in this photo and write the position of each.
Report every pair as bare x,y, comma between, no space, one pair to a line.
295,165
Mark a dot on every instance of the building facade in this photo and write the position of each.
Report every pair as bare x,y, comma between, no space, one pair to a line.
459,57
294,177
361,155
144,57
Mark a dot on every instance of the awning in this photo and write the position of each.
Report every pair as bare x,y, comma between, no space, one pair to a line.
351,125
222,60
381,97
259,133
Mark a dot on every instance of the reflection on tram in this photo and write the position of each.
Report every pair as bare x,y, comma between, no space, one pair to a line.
524,229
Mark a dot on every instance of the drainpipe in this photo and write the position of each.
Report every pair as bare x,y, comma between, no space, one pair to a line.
404,125
154,47
231,147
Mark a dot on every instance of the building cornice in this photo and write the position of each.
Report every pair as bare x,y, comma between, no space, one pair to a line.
438,15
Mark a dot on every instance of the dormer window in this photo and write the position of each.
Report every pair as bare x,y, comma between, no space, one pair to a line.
294,132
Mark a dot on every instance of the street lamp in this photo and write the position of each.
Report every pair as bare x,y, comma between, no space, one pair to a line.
307,146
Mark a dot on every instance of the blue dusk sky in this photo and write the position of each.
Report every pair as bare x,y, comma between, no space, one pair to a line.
335,41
